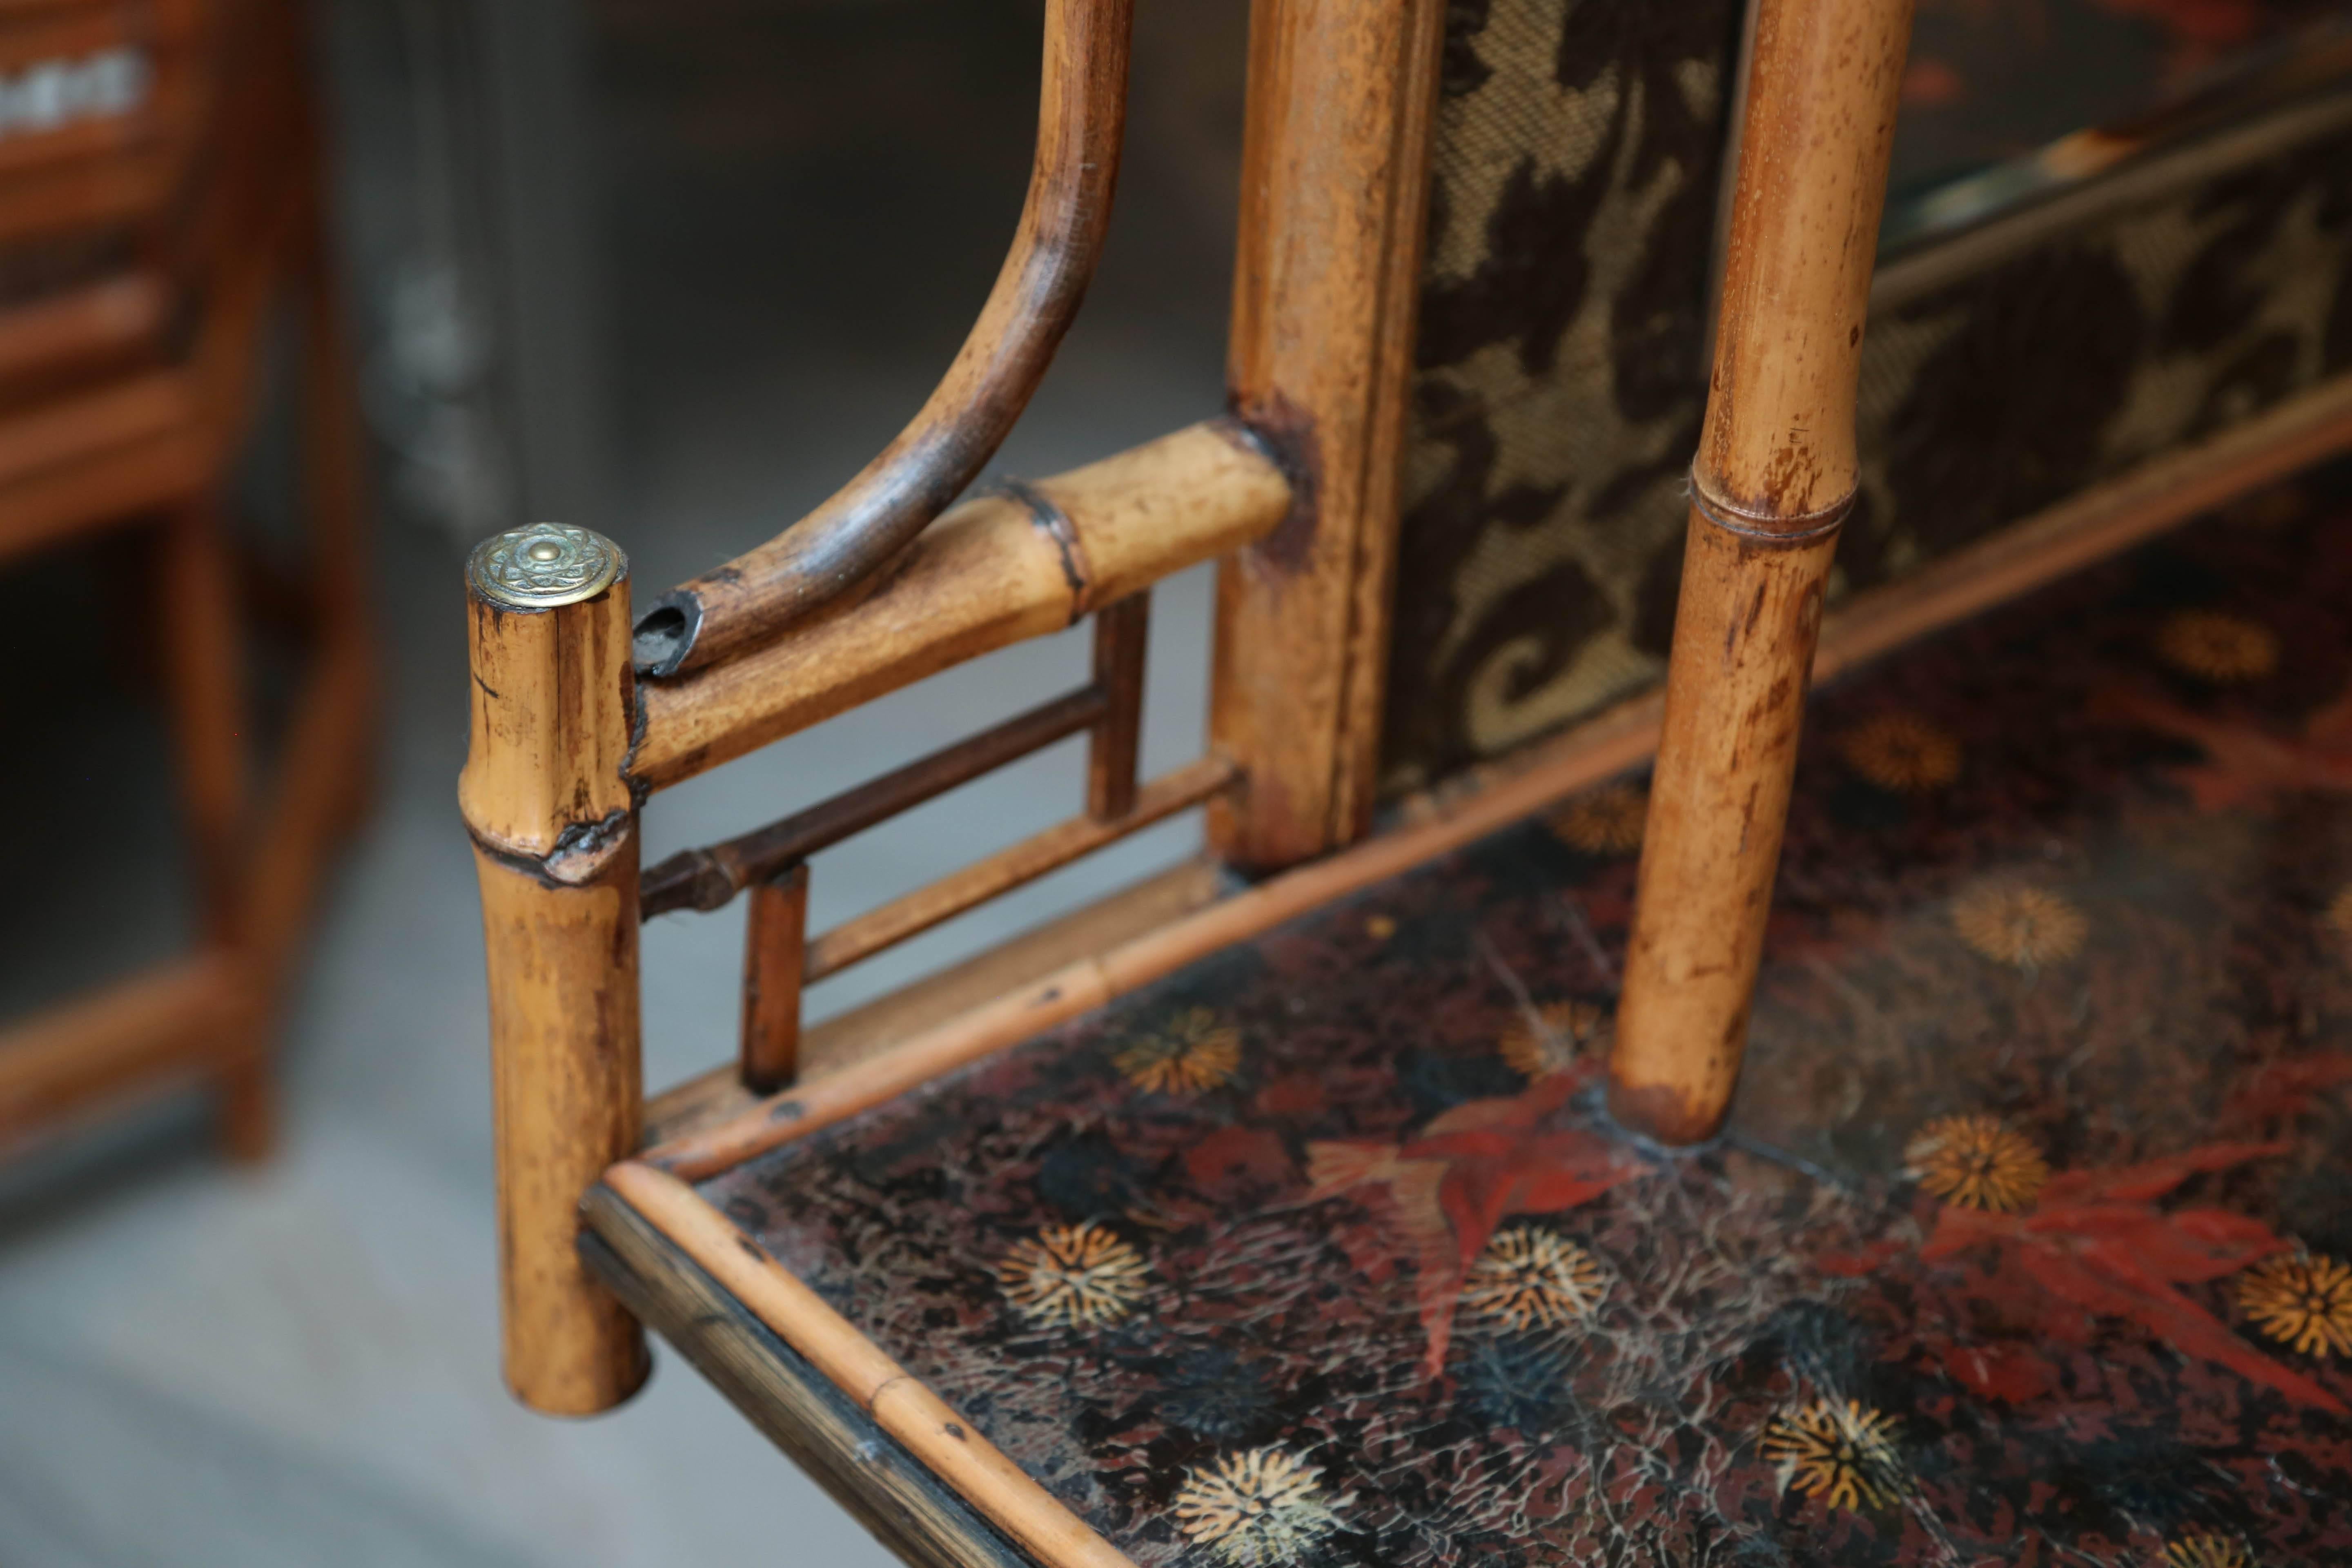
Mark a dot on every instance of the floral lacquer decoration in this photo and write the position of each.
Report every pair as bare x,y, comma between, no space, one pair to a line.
1074,1276
1191,1054
1530,1278
1901,752
1841,1451
1255,1508
1446,1190
1975,1161
2302,1301
2095,1242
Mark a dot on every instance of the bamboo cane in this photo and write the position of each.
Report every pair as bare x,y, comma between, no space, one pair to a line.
1773,480
555,843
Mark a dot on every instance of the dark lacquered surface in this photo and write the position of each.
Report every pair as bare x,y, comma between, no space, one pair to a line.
2042,1153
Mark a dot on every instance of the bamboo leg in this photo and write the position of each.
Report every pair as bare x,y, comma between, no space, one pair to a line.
555,845
1774,478
1335,182
775,948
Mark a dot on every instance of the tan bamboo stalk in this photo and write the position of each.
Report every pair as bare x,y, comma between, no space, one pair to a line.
997,570
775,943
1081,112
1335,181
555,844
1774,478
900,1405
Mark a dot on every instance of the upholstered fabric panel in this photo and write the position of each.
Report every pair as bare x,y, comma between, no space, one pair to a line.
1561,378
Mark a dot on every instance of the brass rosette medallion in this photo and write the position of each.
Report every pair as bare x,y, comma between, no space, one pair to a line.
544,566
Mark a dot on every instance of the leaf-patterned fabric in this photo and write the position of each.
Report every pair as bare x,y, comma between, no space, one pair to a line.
1579,158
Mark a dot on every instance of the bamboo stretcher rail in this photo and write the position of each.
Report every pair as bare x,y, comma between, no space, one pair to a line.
854,941
2039,550
707,877
1082,110
997,570
900,1405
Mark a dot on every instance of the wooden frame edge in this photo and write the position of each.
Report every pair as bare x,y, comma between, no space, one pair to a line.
900,1405
869,1473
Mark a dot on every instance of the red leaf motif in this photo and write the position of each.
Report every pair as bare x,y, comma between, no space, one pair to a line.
2007,1371
1494,1162
2096,1242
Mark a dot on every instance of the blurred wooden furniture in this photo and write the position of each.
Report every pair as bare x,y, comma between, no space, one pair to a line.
159,213
805,1229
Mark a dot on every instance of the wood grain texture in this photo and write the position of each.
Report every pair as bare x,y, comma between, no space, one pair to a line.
776,940
1122,639
1333,187
860,1466
555,847
1777,447
997,570
936,1435
1082,109
1774,478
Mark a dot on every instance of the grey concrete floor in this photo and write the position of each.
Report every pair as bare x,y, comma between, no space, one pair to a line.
296,1364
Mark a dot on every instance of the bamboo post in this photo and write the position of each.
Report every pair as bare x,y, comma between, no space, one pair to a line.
1773,480
1335,181
555,845
775,946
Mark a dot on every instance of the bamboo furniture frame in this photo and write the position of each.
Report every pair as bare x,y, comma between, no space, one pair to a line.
1296,494
1775,476
108,421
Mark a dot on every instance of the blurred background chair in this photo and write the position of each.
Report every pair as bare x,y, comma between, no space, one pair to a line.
160,221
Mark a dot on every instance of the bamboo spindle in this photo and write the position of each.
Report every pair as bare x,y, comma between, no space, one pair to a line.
1122,632
1774,478
775,948
555,845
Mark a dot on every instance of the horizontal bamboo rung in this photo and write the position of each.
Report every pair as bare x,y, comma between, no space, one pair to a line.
919,911
997,570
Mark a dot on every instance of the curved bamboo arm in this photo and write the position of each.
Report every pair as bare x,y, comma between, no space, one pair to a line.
1081,112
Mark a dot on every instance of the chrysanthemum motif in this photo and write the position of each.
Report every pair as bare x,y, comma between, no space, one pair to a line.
2339,913
1255,1508
1606,822
1842,1454
1570,1029
1192,1054
2024,927
2208,1551
1977,1163
2301,1299
1529,1278
1901,752
1072,1276
2224,650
